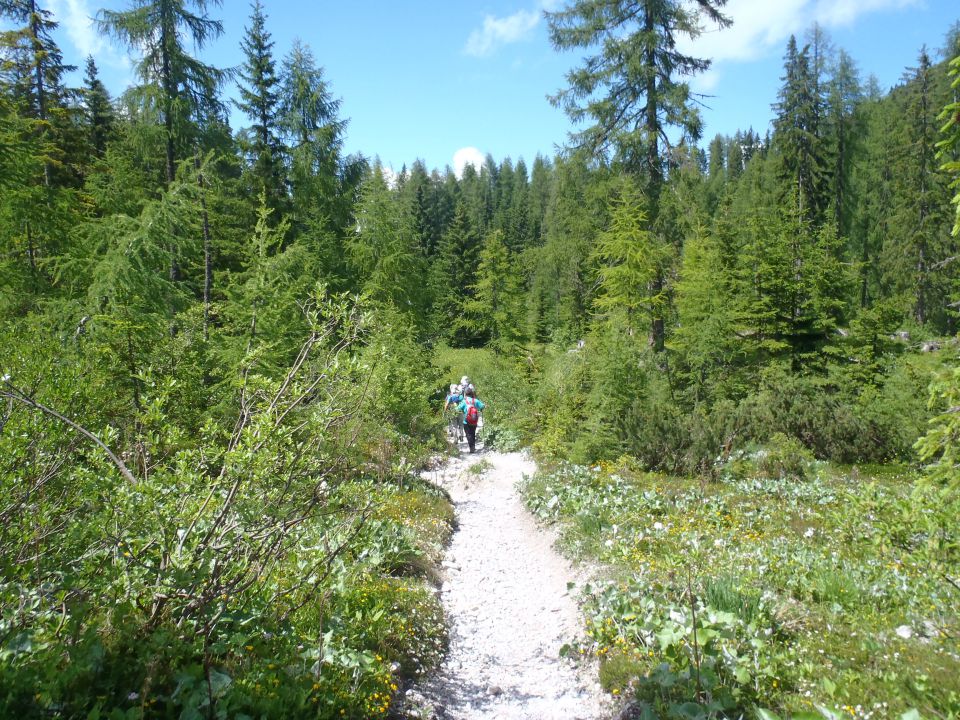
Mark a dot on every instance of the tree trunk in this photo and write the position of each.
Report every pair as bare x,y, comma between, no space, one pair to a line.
207,253
655,180
167,35
38,77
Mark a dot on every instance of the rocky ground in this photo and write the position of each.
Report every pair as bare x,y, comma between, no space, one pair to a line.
506,596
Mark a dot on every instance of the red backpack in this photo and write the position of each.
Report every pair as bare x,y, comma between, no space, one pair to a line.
473,415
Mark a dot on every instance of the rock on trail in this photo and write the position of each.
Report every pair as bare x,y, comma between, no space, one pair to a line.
506,598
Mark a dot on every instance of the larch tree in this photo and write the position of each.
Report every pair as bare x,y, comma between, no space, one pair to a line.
632,90
844,95
183,89
628,259
872,186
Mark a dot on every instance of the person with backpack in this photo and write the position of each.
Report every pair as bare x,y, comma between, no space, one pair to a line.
456,419
471,406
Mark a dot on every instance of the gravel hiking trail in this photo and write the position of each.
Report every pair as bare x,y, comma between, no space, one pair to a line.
506,599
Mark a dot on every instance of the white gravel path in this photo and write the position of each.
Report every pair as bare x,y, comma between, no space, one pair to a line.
506,598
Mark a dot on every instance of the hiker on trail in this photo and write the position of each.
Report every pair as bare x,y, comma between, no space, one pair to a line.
453,399
470,406
465,384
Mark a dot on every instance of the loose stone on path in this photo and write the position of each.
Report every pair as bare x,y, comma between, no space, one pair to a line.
506,598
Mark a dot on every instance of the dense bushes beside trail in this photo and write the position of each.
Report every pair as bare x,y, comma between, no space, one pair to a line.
606,400
257,545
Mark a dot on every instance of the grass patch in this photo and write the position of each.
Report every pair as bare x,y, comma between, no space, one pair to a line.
479,468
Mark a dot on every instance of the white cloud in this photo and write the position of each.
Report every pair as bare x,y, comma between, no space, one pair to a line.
762,26
467,156
76,18
501,31
706,82
390,176
835,13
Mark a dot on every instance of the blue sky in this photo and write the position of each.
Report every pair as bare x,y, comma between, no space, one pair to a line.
438,80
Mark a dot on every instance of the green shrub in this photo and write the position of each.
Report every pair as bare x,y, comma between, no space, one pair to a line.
246,552
503,439
784,458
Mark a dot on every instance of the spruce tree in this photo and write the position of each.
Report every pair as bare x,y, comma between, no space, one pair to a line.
561,274
39,212
322,184
707,312
384,251
541,180
100,115
518,219
259,100
949,147
33,70
453,277
797,134
917,244
493,313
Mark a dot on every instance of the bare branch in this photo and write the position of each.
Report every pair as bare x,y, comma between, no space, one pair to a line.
14,393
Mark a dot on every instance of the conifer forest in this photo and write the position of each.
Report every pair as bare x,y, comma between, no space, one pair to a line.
224,351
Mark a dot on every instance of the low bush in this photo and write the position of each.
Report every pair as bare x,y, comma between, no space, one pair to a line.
276,564
615,398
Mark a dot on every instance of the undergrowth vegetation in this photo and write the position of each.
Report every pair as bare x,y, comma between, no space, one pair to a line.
788,586
601,402
278,562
